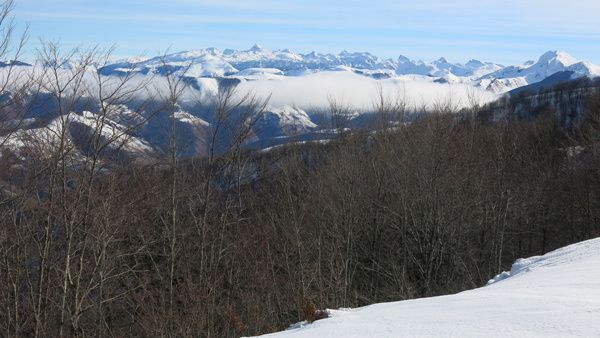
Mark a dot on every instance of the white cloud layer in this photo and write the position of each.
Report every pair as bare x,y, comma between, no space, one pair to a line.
359,91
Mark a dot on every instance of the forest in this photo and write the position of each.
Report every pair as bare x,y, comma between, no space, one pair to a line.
424,202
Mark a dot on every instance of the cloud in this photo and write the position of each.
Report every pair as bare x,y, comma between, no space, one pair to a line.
358,91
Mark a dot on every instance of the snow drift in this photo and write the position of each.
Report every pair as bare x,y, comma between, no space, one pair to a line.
554,295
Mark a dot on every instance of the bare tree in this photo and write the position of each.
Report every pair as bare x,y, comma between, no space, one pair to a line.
390,108
340,114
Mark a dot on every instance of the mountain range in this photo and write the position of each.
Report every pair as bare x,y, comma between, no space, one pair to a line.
258,63
261,63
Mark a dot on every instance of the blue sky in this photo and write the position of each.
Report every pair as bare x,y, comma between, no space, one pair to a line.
509,31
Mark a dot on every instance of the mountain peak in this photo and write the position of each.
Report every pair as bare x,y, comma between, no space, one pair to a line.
403,59
560,56
442,60
256,48
213,50
474,63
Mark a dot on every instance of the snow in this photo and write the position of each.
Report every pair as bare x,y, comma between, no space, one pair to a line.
284,121
112,131
268,149
186,117
209,66
554,295
500,86
560,56
259,74
291,117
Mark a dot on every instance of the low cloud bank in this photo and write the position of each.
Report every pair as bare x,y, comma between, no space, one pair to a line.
359,91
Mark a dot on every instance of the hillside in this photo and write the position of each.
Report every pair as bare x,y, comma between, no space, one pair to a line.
554,295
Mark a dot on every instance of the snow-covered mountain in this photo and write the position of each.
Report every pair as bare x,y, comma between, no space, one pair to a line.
212,62
78,131
548,64
554,295
442,67
284,121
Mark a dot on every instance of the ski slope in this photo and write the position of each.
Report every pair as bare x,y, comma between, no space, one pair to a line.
554,295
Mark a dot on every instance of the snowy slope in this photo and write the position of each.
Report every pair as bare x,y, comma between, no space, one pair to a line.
78,130
284,121
259,74
555,295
